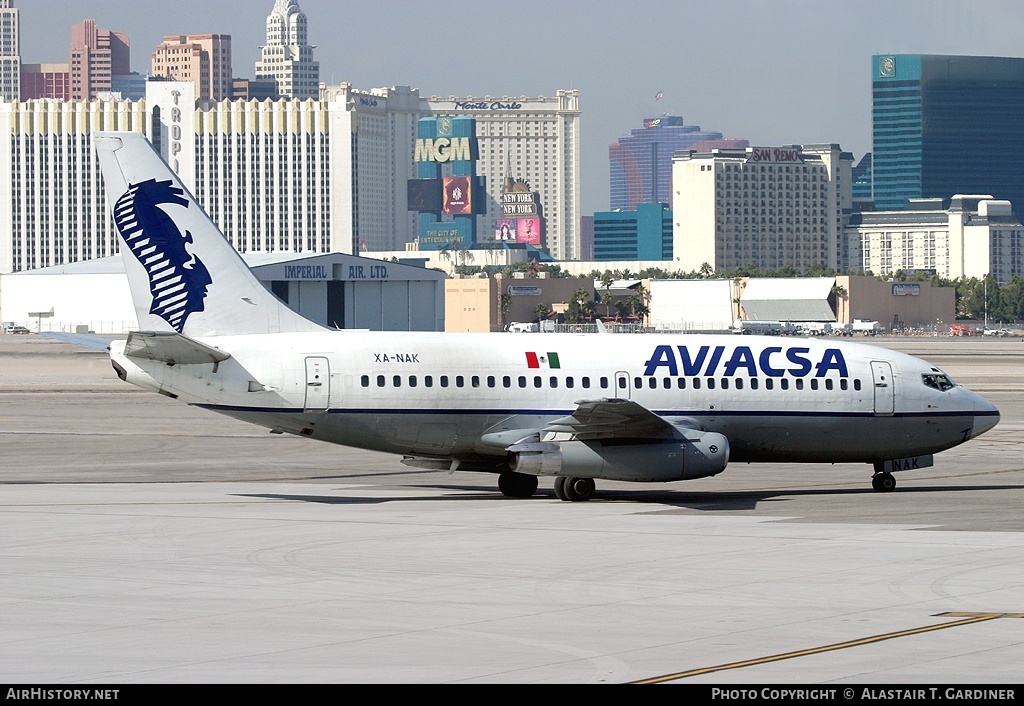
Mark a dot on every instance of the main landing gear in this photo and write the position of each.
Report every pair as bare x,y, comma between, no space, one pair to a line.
517,485
523,485
883,481
574,489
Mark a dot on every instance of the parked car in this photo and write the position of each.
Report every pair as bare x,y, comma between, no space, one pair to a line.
14,328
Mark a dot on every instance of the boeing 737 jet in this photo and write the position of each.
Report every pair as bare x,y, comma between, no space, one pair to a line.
573,407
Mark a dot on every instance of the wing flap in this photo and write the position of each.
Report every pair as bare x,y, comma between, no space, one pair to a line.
171,348
612,418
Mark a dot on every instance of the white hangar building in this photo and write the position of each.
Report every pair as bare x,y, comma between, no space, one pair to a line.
334,289
692,305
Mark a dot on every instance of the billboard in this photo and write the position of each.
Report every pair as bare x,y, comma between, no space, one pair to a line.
458,196
528,231
505,230
425,195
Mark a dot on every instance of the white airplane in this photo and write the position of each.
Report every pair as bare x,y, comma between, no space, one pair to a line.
575,407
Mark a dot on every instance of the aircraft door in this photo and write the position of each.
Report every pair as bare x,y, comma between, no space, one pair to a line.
885,389
623,389
318,384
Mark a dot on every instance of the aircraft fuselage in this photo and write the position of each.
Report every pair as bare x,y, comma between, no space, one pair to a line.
444,396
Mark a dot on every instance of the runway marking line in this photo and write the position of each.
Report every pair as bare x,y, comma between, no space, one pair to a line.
967,619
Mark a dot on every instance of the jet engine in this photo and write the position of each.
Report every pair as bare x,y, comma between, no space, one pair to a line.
704,454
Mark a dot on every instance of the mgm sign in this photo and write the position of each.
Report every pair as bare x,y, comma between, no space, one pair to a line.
447,194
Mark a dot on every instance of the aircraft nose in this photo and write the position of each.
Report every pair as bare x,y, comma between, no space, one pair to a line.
986,416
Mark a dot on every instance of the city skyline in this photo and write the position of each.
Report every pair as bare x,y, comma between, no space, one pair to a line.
791,71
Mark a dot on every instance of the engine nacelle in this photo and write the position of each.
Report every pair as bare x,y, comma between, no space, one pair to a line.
703,454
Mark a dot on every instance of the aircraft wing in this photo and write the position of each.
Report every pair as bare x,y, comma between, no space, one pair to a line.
612,418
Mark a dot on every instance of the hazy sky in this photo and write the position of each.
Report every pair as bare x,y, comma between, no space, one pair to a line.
770,71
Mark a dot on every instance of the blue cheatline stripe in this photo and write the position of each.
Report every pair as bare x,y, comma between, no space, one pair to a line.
565,412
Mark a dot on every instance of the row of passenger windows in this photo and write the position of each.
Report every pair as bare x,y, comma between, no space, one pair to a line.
653,383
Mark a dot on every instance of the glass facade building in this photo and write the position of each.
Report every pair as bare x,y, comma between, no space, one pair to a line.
643,234
641,163
945,125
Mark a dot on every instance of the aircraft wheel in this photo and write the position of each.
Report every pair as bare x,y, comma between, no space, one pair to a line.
883,482
560,487
578,489
517,485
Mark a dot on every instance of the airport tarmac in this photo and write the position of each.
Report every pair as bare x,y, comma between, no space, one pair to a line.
148,542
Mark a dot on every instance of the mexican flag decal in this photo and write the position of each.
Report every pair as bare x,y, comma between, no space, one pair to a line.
549,360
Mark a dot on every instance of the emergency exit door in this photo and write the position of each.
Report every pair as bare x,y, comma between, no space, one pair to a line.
318,384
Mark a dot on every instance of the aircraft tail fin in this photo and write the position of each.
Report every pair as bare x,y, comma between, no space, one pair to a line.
184,274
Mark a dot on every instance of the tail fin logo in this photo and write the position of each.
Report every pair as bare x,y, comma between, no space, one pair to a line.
178,280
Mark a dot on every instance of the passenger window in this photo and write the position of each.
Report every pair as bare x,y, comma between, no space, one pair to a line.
843,384
428,381
604,383
522,381
652,383
537,382
553,381
711,383
396,381
490,381
681,383
380,381
856,384
739,383
696,383
754,383
637,383
444,381
784,383
506,381
460,381
622,383
586,383
799,383
769,384
475,381
725,383
365,381
569,382
667,383
412,381
828,383
814,383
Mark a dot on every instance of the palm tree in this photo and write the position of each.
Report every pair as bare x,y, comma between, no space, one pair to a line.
541,312
606,284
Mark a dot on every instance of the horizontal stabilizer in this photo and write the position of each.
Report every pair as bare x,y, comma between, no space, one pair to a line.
171,348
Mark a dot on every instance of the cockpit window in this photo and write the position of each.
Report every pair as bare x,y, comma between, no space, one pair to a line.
939,381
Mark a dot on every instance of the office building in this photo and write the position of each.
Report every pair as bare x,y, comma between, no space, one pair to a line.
286,60
45,81
203,59
304,176
533,140
974,237
642,234
95,56
945,125
10,52
641,163
131,86
762,207
861,176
